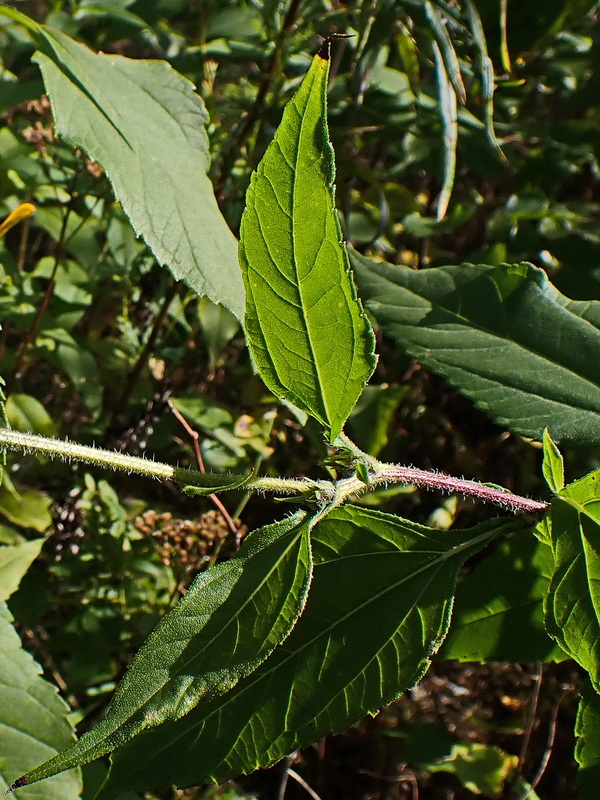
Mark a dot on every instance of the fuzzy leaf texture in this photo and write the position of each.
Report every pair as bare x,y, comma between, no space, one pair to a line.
378,607
306,329
33,719
228,622
503,336
144,124
572,607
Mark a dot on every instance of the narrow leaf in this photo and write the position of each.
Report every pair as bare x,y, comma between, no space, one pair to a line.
33,719
572,606
227,624
446,50
587,749
553,465
144,124
308,335
486,73
467,324
498,612
449,117
378,607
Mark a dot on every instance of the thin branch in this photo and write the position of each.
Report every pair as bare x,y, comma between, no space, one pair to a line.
299,779
195,439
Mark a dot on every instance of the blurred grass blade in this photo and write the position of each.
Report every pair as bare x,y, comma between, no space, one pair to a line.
486,73
231,618
409,56
504,54
449,118
307,332
447,51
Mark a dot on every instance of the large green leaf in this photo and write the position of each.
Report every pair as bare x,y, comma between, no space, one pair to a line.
503,336
15,560
307,332
144,124
378,607
587,750
573,602
33,720
498,612
227,624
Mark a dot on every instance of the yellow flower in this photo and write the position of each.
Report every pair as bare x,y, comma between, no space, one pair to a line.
21,212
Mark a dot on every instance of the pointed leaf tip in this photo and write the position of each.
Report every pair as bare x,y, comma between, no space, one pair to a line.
308,334
18,784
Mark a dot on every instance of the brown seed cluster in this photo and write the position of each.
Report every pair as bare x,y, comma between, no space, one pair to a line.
182,542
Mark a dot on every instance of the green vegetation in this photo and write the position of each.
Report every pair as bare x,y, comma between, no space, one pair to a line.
454,147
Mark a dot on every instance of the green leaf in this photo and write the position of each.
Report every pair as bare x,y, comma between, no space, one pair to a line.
481,768
378,607
26,414
307,332
212,482
446,50
448,109
467,324
486,72
553,466
498,612
144,124
572,607
27,508
15,560
33,719
587,749
228,622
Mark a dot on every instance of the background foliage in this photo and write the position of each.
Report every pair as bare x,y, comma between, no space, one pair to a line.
97,339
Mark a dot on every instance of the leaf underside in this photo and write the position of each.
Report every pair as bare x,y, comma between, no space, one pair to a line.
154,149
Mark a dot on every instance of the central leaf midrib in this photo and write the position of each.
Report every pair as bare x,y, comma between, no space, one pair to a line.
305,318
443,556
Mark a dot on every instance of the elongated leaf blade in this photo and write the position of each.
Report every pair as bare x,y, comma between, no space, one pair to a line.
448,109
378,607
229,621
33,719
503,336
308,335
572,607
498,612
145,125
587,750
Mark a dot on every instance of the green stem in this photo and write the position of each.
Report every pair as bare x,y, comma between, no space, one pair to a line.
326,493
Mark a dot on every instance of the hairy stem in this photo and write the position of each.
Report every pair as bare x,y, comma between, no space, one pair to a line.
324,492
